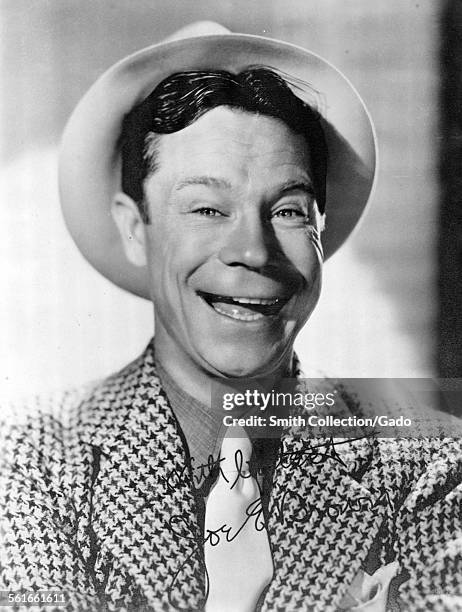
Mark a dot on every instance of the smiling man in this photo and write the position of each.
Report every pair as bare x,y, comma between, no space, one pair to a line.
198,174
232,238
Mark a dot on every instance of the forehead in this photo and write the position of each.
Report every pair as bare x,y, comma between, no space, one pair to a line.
230,141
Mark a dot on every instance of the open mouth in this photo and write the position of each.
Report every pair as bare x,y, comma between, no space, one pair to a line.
244,308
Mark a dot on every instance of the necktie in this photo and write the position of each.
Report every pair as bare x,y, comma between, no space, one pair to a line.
237,553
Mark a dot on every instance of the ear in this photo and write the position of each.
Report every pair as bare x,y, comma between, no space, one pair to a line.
127,217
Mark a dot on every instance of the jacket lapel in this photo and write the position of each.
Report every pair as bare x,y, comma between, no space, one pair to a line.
143,511
325,513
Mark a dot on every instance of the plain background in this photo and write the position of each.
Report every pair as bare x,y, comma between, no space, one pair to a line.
62,324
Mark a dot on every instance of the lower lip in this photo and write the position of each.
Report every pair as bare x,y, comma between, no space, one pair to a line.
239,317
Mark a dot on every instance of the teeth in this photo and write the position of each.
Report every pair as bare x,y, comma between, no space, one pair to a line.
263,302
235,314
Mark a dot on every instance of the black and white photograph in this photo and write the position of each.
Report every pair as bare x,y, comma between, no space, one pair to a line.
231,260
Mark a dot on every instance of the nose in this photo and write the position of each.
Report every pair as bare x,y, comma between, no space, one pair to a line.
247,243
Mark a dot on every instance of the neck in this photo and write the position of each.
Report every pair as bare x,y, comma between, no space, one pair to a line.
197,381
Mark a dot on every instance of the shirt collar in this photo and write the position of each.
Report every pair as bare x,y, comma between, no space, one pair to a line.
203,428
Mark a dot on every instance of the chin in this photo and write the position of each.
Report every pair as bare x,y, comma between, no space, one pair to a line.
247,363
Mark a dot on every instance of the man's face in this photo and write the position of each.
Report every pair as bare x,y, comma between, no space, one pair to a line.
233,246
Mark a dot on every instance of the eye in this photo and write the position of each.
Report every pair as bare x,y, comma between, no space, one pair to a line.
289,213
207,211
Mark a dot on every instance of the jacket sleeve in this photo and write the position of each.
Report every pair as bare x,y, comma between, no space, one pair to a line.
39,520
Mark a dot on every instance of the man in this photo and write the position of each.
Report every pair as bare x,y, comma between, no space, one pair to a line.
218,178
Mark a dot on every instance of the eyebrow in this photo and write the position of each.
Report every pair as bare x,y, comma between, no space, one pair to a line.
297,185
208,181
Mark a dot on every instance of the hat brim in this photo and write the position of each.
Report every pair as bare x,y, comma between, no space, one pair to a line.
89,168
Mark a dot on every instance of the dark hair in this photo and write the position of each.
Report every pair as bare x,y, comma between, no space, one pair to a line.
183,97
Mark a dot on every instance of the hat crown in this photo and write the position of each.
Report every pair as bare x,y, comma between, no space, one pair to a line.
198,28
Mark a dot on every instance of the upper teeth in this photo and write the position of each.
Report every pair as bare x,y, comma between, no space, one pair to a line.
245,300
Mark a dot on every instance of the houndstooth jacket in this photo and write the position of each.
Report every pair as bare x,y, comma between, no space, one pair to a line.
98,503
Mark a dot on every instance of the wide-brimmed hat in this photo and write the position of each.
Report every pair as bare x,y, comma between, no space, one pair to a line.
89,167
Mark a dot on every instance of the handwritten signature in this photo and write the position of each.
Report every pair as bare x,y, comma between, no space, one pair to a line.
291,507
308,454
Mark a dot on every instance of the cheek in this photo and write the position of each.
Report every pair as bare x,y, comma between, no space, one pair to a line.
163,249
173,256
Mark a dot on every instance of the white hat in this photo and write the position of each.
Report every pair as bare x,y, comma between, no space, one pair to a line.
89,169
